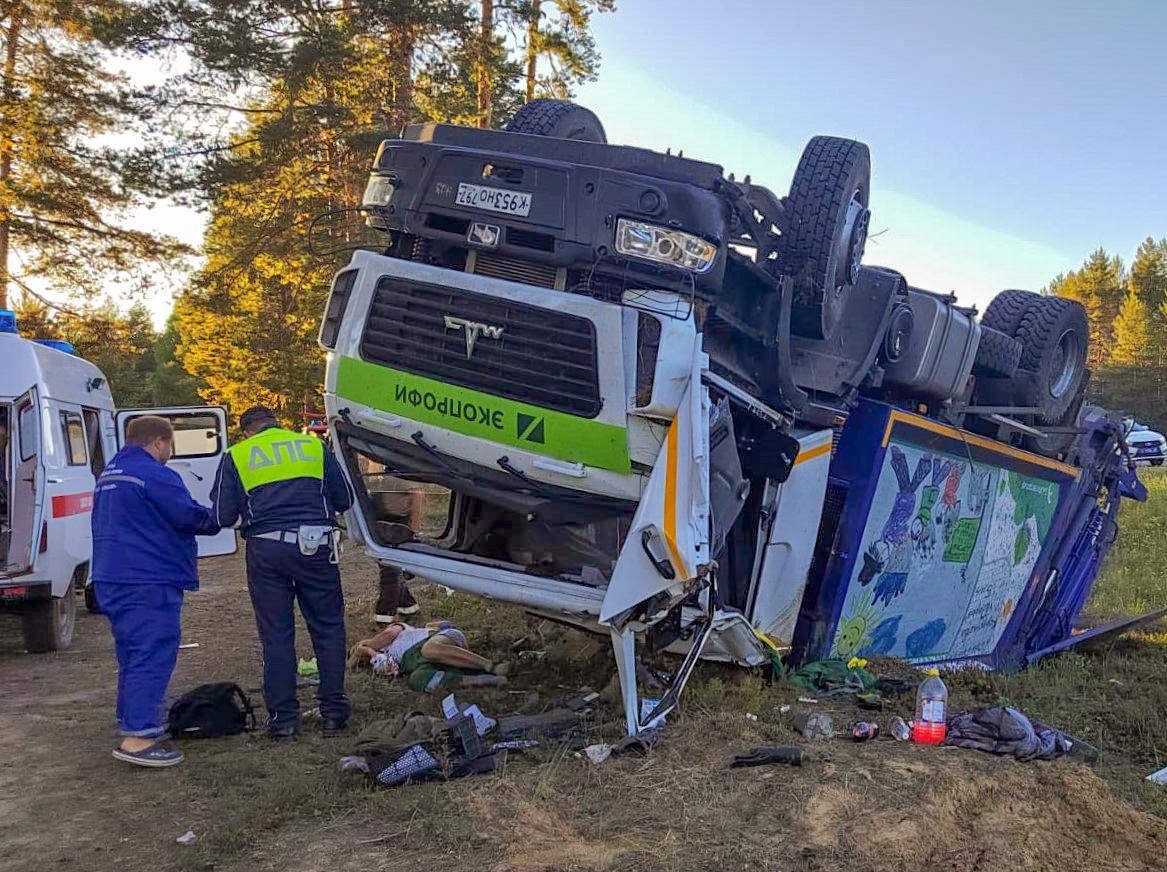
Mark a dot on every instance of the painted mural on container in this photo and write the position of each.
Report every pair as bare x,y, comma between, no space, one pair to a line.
948,549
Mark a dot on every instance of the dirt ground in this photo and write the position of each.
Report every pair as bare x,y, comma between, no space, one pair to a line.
66,804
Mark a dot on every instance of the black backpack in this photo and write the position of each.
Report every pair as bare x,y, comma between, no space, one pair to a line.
210,711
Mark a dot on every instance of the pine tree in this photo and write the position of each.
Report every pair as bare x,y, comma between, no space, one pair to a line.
63,188
559,33
330,81
1132,334
1100,286
122,345
1148,279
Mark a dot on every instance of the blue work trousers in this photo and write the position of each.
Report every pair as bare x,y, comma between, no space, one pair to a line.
278,575
146,620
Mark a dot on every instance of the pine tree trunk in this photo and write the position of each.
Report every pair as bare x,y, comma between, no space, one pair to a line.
8,90
532,41
400,111
487,37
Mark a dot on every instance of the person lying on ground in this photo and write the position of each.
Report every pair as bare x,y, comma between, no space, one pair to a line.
430,657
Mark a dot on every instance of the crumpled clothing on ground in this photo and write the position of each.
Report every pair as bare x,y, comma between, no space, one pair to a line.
1005,730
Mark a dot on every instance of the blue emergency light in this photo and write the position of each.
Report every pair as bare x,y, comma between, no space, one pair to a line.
8,321
58,344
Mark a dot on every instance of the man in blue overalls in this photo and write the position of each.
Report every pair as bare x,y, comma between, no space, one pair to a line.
286,488
144,557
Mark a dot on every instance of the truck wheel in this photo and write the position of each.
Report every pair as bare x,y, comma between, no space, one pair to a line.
997,355
560,118
1007,309
48,624
825,231
1053,334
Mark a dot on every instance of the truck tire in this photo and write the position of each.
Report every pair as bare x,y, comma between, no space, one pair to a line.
48,623
1053,334
560,118
825,231
1007,309
997,355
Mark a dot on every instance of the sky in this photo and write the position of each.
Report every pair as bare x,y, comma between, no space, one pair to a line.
1008,139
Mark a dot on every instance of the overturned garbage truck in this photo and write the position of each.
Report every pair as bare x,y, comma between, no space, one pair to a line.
650,399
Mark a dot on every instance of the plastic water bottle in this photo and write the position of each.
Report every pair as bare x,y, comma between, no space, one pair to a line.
931,710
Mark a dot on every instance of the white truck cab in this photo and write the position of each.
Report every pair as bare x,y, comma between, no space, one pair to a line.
58,428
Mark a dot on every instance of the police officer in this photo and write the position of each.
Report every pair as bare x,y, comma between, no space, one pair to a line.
285,488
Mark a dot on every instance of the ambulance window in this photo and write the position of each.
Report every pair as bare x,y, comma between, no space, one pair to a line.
74,438
26,425
93,438
195,435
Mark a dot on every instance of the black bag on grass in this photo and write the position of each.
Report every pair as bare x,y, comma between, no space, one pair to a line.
210,711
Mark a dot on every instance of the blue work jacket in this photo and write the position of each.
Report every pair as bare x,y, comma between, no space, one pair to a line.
145,522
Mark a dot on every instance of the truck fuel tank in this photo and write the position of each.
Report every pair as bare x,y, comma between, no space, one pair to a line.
941,348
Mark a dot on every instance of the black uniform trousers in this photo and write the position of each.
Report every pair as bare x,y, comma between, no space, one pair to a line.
277,575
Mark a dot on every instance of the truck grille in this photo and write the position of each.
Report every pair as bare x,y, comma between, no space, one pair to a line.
541,356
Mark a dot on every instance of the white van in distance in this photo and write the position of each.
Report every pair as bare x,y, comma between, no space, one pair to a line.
58,427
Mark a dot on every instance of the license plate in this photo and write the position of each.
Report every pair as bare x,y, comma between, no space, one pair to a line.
1148,449
493,199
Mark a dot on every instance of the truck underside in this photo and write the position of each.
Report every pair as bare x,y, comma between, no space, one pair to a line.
642,396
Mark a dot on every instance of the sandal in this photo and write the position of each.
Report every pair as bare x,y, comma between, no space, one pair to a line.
157,756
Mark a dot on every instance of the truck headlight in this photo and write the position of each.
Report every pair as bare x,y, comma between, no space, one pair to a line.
662,245
378,192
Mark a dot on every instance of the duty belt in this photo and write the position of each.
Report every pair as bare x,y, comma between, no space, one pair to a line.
290,536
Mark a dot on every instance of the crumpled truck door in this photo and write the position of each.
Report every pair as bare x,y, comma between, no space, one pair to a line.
665,557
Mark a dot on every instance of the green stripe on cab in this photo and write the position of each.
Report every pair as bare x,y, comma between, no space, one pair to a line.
484,416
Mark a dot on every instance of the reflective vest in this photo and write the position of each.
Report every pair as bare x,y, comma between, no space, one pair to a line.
276,454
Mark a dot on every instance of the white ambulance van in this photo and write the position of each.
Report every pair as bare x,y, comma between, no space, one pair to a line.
58,427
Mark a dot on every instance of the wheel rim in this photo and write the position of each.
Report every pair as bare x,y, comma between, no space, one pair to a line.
852,242
1065,364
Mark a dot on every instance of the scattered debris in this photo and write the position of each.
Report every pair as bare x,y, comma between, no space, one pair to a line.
641,743
861,731
647,707
790,755
598,753
808,699
931,723
307,668
899,729
648,679
515,745
186,646
482,723
557,726
582,702
815,726
1005,730
353,764
750,716
187,838
1159,777
783,709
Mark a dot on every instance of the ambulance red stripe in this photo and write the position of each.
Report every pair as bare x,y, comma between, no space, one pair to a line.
72,504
